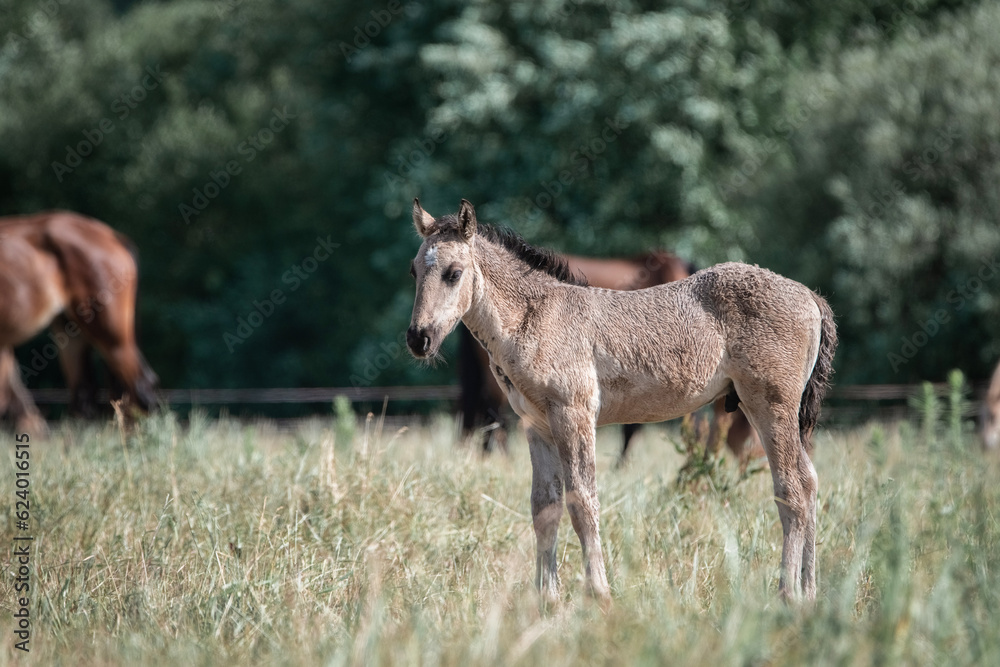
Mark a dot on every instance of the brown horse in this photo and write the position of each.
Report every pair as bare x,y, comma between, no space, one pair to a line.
79,277
990,417
571,358
483,403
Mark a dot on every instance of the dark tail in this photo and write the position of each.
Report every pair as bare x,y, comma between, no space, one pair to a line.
819,381
148,381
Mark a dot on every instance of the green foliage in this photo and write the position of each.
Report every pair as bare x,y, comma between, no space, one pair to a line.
945,420
893,169
704,453
346,420
928,409
703,464
847,145
959,409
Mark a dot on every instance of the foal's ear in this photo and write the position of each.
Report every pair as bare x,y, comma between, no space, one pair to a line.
467,219
422,220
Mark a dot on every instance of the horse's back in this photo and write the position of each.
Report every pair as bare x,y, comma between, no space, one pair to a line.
65,229
676,344
735,289
52,260
32,290
88,251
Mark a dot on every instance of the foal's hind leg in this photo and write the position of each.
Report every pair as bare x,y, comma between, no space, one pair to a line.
546,511
795,483
574,435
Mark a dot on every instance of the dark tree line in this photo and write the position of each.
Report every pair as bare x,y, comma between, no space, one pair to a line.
263,156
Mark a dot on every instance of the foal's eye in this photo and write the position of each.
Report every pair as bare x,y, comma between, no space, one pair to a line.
413,271
453,276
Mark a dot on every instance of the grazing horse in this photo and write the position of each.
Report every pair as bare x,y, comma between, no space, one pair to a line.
482,400
571,358
79,276
990,418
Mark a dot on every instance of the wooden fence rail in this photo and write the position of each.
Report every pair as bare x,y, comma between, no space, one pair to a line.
445,392
262,396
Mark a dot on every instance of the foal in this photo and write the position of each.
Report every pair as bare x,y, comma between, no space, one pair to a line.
482,400
572,358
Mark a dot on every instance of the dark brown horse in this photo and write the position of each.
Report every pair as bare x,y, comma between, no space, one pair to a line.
483,403
79,277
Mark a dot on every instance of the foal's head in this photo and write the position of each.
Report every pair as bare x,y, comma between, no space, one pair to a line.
445,273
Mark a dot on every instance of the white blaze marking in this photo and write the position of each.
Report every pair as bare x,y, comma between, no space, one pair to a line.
430,258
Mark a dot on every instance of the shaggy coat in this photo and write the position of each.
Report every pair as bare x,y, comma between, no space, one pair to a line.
482,400
571,358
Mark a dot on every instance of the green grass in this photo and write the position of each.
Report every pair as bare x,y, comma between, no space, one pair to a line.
225,543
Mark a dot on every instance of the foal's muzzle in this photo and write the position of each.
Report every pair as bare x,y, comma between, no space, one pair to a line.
418,341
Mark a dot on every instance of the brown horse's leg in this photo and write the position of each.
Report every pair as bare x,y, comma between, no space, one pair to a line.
8,364
742,440
795,484
573,431
628,432
111,331
77,369
546,511
721,421
127,362
15,399
740,437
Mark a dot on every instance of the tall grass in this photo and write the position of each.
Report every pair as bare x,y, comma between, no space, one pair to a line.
225,543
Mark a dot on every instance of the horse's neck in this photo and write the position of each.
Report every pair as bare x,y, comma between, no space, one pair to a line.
503,291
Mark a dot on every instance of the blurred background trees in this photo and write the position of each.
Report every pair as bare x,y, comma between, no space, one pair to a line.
852,146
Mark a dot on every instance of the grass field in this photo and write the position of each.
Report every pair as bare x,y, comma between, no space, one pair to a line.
226,543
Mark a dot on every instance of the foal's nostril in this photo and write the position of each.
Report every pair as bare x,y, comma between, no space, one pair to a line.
418,341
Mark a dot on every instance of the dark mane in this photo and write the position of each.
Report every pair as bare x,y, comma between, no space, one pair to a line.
539,259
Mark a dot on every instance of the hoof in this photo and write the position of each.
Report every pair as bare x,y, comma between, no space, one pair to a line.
34,425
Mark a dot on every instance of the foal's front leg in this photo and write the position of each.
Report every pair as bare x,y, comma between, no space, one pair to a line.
546,511
573,431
